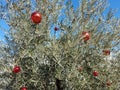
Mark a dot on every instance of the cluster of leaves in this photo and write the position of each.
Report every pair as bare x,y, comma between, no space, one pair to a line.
50,63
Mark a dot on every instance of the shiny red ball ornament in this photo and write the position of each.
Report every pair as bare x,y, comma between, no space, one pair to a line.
36,17
56,29
16,69
95,73
23,88
108,83
86,36
106,52
79,68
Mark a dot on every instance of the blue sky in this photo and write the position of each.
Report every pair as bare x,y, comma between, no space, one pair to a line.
115,4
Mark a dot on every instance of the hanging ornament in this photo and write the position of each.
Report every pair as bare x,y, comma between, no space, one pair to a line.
86,36
79,68
23,88
56,29
95,73
16,69
108,83
106,52
36,17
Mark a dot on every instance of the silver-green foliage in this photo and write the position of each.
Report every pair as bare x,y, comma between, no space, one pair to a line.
47,61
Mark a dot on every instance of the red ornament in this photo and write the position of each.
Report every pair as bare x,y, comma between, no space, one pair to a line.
108,83
86,36
95,73
79,68
56,29
16,69
106,52
23,88
36,17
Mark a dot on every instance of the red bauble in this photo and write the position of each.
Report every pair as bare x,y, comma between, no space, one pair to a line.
36,17
56,29
16,69
95,73
23,88
86,36
79,68
108,83
106,52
